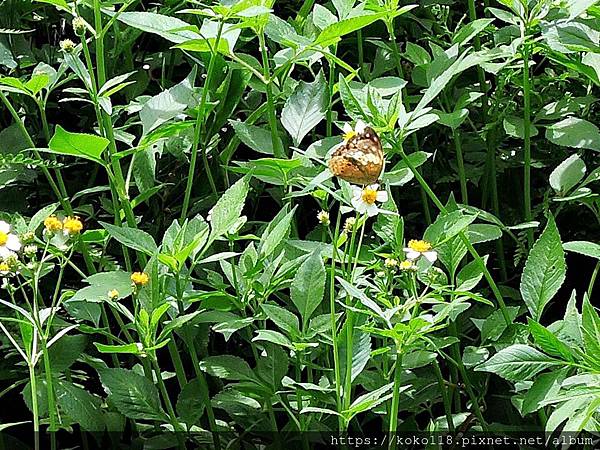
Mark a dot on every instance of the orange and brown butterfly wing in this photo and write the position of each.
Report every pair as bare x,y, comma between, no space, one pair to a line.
360,160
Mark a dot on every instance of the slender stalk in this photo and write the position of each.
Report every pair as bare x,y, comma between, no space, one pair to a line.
52,413
336,354
445,398
34,407
527,142
278,150
434,198
393,426
167,401
204,393
593,280
464,195
198,131
390,28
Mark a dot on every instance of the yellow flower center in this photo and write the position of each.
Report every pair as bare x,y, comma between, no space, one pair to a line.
140,278
3,238
419,246
53,223
113,294
4,267
369,196
406,265
72,225
349,135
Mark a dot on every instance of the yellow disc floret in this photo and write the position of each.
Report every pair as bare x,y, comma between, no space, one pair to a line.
419,245
406,265
113,294
72,225
3,238
140,278
349,135
53,224
4,267
369,196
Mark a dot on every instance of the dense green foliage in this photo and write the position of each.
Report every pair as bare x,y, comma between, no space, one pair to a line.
176,254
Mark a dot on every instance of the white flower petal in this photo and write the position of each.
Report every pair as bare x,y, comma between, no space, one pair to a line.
356,191
4,227
372,210
13,243
358,203
382,196
411,254
4,252
347,128
360,126
431,256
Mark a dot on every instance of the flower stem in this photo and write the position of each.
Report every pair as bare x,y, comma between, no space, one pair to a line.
336,354
272,115
165,395
34,407
527,142
198,131
434,198
464,195
393,426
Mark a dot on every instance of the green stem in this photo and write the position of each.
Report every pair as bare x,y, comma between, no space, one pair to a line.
461,167
204,394
278,150
198,131
52,413
336,355
434,198
527,142
445,398
34,407
393,426
593,280
167,401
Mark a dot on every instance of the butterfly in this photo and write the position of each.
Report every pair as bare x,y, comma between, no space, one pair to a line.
359,159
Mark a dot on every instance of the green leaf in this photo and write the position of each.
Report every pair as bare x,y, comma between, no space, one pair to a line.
590,325
190,404
334,32
170,28
548,342
518,363
228,209
283,318
583,248
125,348
470,30
515,127
305,108
227,367
308,286
545,270
133,395
275,233
82,145
132,237
574,132
257,138
101,283
81,406
567,174
446,226
66,351
545,386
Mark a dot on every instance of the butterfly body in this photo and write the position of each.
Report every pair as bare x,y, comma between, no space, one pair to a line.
359,159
